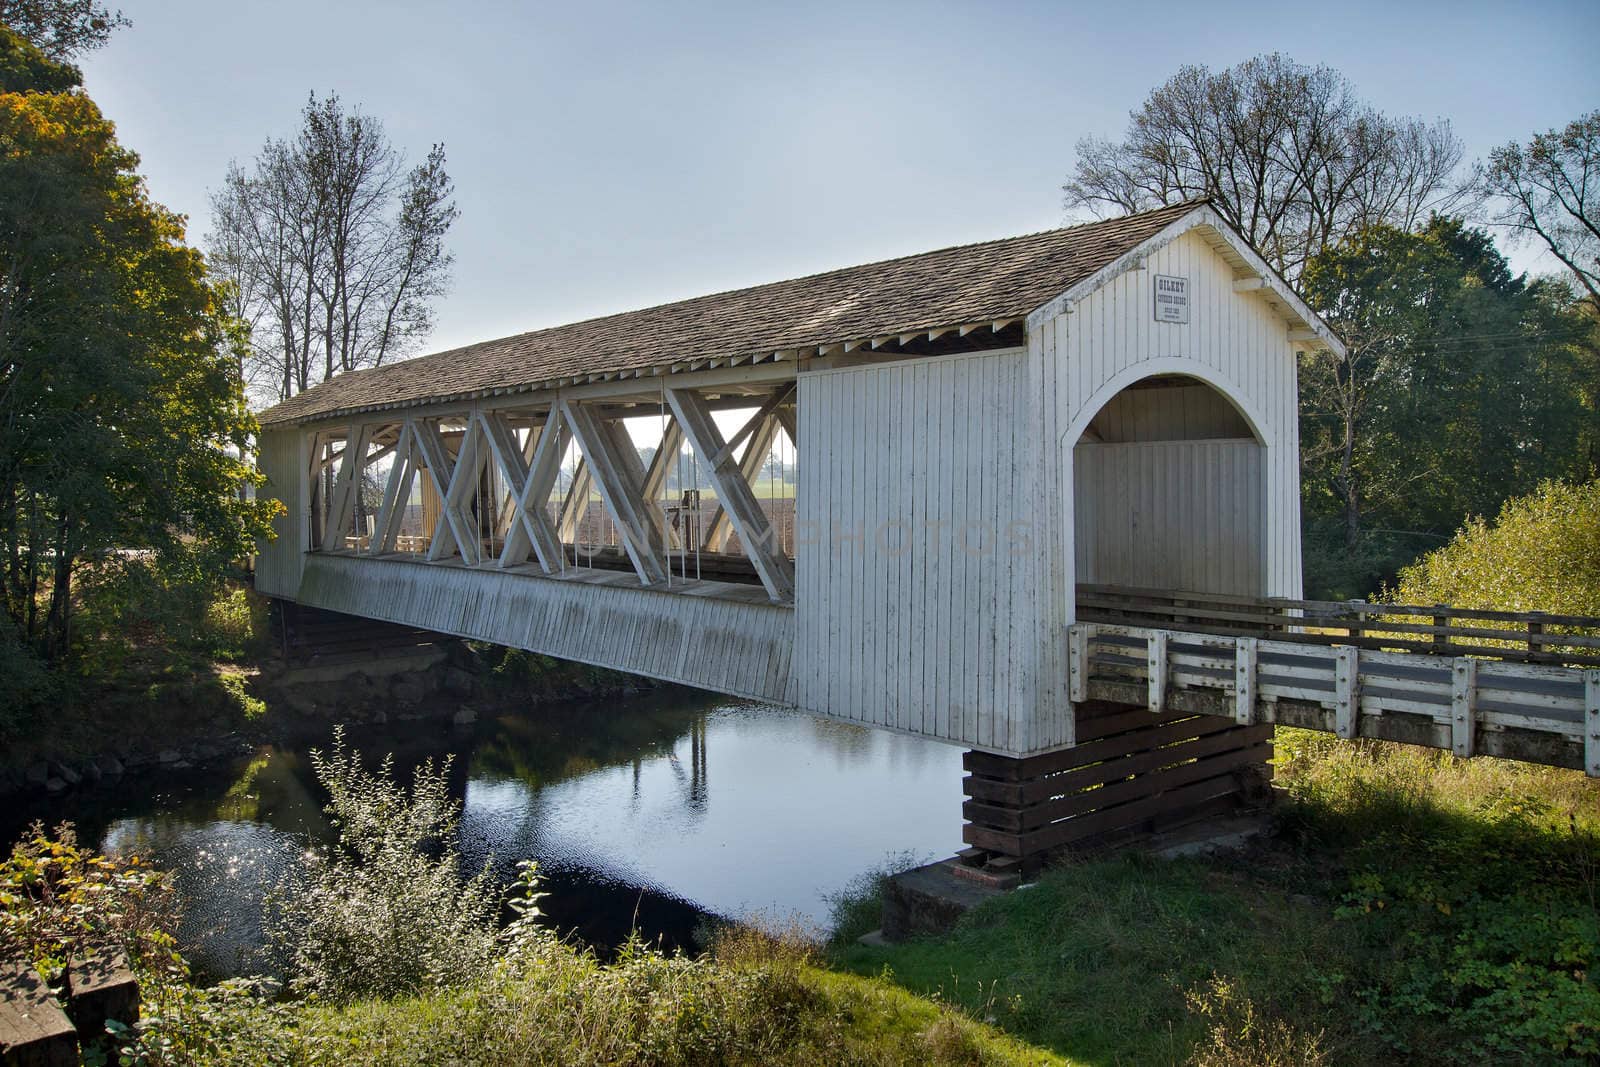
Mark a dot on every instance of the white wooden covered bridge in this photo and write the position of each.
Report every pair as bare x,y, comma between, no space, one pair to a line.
880,494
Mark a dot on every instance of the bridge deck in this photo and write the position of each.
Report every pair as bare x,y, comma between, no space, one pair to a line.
1334,667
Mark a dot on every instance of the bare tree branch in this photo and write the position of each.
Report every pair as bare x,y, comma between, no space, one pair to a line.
1549,193
336,250
1286,153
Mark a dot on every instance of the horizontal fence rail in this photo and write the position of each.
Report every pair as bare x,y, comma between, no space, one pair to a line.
1429,629
1532,712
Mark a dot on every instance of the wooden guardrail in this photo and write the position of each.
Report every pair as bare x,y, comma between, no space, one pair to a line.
1429,629
1537,713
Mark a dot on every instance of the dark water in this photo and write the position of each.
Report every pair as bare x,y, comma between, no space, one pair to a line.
653,812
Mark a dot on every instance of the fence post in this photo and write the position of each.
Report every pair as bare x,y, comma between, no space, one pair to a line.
1441,641
1591,722
1156,667
1347,690
1078,662
1357,627
1244,680
1463,695
1535,632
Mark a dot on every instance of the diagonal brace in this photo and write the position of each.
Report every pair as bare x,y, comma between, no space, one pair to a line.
530,488
621,489
755,532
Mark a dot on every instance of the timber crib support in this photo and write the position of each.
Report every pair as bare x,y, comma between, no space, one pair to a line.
1131,773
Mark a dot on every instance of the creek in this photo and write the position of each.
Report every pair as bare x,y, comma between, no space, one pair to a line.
654,812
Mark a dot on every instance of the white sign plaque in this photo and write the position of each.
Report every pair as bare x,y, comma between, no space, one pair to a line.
1172,298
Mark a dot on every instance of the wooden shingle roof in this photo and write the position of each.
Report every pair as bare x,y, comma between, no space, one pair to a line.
991,280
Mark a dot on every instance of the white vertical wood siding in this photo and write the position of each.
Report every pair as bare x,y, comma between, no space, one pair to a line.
283,460
914,599
742,649
1080,359
1170,515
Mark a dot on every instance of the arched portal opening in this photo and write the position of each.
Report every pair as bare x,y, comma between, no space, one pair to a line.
1169,491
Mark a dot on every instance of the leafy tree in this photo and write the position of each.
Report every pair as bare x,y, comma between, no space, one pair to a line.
122,420
1549,192
335,248
1462,386
1287,153
61,29
23,67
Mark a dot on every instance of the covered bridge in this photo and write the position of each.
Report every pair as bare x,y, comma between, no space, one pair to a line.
875,494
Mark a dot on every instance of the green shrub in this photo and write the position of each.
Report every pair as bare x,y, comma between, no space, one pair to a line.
384,911
236,625
234,1022
60,901
1542,553
234,686
857,908
753,1000
1239,1034
1472,885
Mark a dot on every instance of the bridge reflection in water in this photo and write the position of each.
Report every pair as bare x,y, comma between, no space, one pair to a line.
615,802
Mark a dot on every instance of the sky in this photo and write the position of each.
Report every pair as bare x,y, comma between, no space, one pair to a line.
610,156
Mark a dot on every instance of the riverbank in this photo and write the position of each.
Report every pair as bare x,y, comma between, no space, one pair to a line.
754,1001
1409,906
167,707
386,956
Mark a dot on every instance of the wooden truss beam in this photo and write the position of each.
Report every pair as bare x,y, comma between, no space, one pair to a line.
472,456
791,426
621,489
342,500
442,473
396,494
755,457
633,468
506,518
530,488
655,479
754,422
755,532
576,502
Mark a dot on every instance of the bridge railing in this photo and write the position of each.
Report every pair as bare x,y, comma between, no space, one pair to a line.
1429,629
1354,674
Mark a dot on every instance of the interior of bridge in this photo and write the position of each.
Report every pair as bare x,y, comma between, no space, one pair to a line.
1169,491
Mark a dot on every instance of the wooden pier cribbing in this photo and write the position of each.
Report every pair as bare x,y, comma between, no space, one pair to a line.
1132,772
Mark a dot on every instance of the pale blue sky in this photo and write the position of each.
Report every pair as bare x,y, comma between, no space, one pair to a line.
613,155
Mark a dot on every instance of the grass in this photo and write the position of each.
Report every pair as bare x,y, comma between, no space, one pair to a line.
759,1002
1412,906
1095,960
755,999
